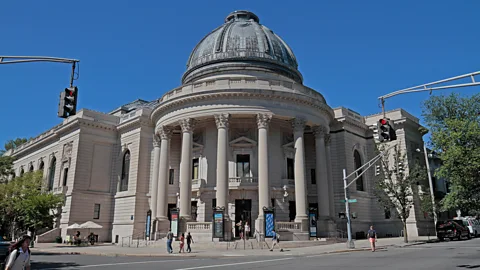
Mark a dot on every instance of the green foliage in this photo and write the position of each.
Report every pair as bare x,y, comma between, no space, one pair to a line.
455,126
6,168
394,187
25,204
12,144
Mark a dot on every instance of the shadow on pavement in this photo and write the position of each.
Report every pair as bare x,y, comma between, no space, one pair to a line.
52,265
40,253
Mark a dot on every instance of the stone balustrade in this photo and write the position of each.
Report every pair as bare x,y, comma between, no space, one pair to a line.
60,190
197,183
199,226
242,181
246,82
288,226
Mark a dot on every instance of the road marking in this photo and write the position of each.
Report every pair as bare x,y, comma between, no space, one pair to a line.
232,264
318,255
126,263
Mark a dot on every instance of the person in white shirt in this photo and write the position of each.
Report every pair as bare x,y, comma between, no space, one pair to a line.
19,257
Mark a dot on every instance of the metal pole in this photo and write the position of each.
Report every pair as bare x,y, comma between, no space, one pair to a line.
350,243
430,182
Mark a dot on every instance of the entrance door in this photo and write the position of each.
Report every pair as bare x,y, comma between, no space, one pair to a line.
243,212
292,210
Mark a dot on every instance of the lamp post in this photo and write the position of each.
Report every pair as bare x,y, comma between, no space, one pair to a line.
430,182
424,131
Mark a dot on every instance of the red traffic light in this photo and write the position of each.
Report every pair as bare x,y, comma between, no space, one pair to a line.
383,121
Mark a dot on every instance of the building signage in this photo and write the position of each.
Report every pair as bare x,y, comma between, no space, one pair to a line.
313,224
148,223
174,222
269,214
217,224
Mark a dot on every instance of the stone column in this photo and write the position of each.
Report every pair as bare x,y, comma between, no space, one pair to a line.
161,213
300,183
222,161
156,163
328,139
187,126
321,172
263,121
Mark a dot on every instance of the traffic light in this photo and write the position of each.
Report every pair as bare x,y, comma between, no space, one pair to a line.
68,102
386,130
377,170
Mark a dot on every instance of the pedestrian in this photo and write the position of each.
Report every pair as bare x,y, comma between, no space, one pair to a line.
19,257
240,229
372,237
276,241
169,241
247,230
189,241
182,243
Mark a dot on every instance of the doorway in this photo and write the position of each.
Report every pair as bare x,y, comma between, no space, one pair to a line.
243,212
292,210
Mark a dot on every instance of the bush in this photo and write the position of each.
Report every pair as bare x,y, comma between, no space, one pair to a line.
58,239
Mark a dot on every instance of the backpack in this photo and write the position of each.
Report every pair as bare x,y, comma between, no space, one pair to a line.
4,264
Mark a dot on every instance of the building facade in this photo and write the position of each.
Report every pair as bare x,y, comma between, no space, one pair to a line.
241,132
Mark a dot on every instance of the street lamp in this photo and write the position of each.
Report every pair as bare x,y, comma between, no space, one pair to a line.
430,182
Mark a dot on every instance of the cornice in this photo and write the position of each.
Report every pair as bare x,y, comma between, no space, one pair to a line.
133,124
264,94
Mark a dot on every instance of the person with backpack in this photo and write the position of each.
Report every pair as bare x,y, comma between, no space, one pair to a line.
189,241
372,237
169,241
18,257
276,240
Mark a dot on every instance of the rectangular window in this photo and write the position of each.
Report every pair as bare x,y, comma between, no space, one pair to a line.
243,165
387,213
290,169
273,202
96,211
313,177
195,166
214,203
171,175
65,176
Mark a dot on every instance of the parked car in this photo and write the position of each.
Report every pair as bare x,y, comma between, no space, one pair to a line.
452,229
472,224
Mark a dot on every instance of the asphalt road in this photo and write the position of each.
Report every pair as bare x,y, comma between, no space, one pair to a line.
447,255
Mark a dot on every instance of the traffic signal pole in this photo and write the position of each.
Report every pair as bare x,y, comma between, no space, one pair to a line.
363,169
28,59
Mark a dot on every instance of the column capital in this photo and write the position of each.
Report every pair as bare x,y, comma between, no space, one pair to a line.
328,139
187,124
222,120
320,131
163,133
298,124
157,141
263,120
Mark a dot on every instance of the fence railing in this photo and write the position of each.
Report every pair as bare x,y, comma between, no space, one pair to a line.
134,240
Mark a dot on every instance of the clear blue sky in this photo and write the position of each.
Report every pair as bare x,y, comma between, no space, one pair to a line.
350,51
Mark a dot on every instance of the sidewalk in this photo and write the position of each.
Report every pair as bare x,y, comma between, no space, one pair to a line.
202,250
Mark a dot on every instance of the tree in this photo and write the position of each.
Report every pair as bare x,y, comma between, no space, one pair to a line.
394,187
12,144
454,122
6,168
25,205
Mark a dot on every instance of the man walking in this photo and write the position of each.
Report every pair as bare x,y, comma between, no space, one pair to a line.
276,240
372,237
189,241
169,241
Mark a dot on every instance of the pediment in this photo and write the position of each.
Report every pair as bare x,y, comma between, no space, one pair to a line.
243,142
289,145
197,147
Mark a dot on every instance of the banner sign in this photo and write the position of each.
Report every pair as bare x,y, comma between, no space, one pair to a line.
313,224
217,224
148,223
174,222
269,215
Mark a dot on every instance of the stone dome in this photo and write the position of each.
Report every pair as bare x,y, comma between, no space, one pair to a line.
241,43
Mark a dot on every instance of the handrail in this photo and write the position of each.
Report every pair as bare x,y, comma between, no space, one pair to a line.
133,236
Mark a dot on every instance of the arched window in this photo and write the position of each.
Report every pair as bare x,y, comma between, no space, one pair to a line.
40,167
51,175
358,163
125,171
21,172
30,169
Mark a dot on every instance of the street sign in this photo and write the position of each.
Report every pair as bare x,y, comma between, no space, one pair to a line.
350,200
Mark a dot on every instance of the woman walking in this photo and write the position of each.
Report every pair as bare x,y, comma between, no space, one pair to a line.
372,237
19,257
182,243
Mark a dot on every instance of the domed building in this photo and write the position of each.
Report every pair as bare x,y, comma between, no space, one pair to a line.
242,134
